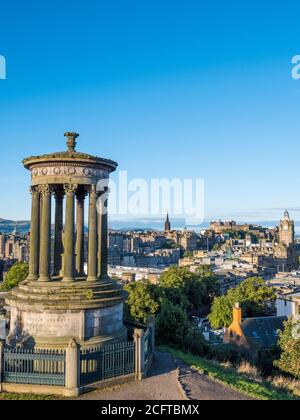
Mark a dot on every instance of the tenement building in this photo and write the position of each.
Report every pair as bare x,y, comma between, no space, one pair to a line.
13,247
58,301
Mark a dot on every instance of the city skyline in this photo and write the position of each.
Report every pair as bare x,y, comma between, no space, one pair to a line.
200,100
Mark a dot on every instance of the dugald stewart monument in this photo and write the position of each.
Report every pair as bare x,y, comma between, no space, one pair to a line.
58,302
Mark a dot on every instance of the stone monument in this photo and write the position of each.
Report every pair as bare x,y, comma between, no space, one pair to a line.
58,301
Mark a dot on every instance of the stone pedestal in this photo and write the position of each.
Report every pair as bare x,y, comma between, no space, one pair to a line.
51,315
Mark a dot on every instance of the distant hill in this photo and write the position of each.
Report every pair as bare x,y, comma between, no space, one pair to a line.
8,226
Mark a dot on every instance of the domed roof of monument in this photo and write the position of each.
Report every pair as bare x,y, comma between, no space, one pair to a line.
70,155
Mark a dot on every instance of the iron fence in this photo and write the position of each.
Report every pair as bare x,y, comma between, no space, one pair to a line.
148,345
31,366
112,361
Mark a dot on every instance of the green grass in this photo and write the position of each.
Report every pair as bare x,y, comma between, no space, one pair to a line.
231,378
26,397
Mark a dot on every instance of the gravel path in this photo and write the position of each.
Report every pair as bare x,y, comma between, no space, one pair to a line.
169,380
162,385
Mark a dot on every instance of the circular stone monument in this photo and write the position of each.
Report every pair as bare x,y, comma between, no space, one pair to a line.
58,301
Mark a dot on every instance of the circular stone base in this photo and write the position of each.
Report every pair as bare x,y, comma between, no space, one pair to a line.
50,314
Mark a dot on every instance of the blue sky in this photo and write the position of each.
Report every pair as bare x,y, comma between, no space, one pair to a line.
167,88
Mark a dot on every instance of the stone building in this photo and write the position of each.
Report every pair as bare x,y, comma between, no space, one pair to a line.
189,241
255,335
219,227
286,251
287,230
14,247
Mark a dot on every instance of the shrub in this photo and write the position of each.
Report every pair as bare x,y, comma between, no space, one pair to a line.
227,353
195,343
289,343
18,273
249,370
288,384
172,325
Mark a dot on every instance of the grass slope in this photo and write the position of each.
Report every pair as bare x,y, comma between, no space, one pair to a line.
229,377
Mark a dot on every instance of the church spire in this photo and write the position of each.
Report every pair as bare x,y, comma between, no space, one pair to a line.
167,224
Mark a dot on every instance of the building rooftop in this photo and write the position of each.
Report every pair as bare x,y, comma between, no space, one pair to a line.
263,332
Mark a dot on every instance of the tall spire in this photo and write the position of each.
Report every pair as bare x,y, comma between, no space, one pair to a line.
167,224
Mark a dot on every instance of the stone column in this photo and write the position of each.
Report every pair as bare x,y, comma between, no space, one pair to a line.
58,230
34,235
139,354
103,236
92,247
45,234
80,233
69,234
73,369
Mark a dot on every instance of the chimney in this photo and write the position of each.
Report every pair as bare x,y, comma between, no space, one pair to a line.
237,314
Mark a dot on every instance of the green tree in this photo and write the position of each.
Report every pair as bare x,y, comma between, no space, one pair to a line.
221,312
289,343
255,297
143,300
172,325
18,273
217,247
170,245
188,254
235,234
211,282
184,285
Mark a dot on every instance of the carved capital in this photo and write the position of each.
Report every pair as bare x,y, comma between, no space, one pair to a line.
45,190
70,189
34,191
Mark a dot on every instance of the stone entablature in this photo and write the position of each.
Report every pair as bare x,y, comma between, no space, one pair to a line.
66,173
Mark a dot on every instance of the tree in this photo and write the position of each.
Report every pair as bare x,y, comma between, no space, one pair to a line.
217,247
143,300
221,312
254,296
184,285
188,254
289,343
210,280
18,273
235,234
172,324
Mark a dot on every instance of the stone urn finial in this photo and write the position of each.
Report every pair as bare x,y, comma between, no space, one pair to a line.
71,142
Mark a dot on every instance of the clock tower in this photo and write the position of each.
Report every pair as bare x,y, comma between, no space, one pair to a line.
287,230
